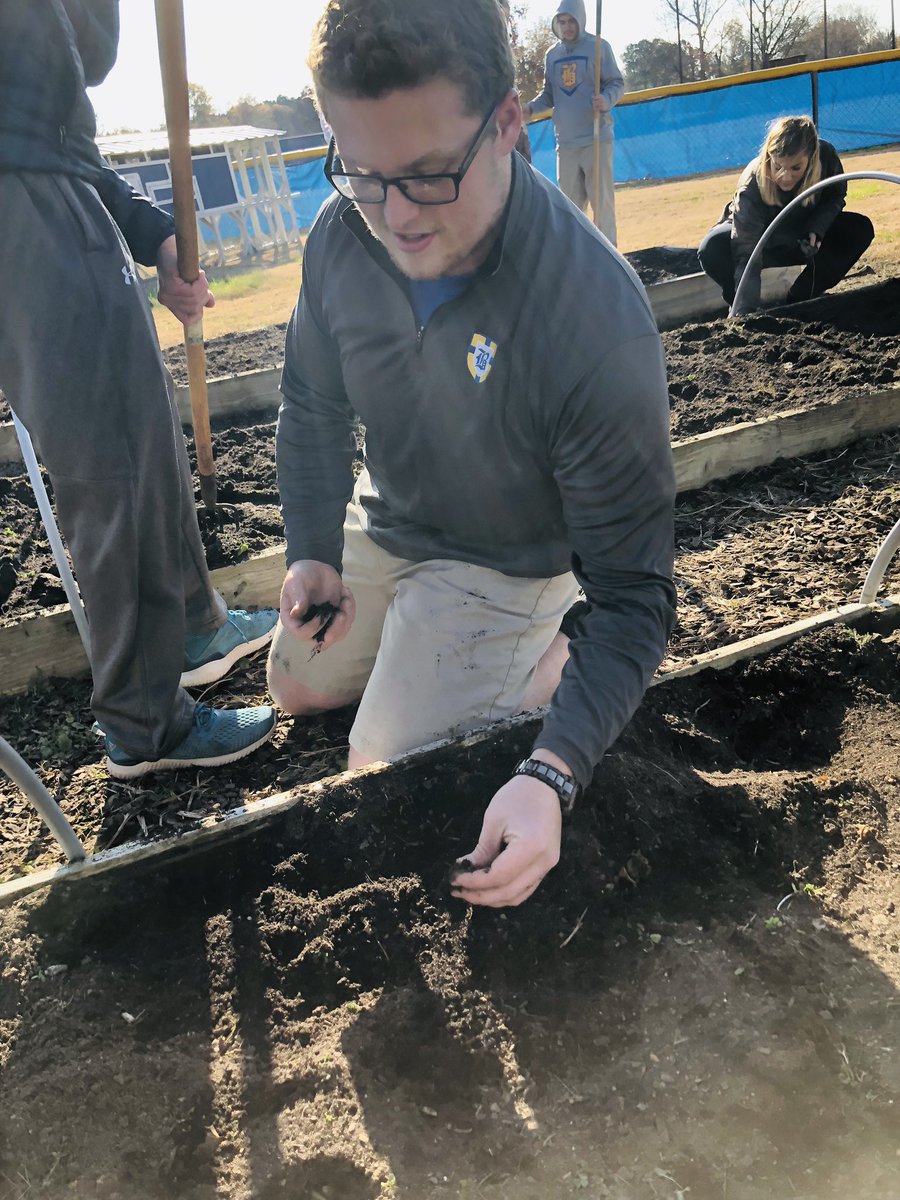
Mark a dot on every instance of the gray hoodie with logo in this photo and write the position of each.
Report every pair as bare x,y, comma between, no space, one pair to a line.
569,83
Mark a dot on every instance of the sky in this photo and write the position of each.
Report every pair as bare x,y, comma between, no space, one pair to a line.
258,49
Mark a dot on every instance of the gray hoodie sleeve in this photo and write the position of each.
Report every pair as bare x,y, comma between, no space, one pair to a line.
613,465
314,441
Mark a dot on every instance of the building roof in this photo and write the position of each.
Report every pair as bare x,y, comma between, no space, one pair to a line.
116,145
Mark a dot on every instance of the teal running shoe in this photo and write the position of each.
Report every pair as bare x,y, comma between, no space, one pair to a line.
210,657
218,736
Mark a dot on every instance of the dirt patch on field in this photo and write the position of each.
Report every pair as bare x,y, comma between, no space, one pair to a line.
701,1001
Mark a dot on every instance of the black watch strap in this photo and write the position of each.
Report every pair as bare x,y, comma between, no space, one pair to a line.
567,788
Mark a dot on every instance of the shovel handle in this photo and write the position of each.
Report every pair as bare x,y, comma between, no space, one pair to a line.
598,82
173,63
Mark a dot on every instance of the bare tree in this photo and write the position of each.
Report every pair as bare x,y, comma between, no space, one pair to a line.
698,17
529,45
732,52
778,28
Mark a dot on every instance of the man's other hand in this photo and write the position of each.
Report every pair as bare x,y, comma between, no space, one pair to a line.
309,583
186,301
519,844
601,104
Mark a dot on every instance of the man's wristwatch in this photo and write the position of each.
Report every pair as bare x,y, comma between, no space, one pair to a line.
564,785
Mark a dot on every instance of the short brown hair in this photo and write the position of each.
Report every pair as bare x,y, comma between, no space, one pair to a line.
367,48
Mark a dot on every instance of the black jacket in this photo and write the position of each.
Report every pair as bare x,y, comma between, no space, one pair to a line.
50,51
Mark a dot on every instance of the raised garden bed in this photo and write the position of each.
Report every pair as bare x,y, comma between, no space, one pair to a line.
702,996
753,553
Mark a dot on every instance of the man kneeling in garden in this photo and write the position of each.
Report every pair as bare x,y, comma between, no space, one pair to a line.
507,369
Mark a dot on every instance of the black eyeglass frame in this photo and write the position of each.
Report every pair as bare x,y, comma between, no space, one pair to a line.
400,181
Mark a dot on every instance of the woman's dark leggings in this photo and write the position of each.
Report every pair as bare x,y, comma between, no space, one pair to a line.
845,240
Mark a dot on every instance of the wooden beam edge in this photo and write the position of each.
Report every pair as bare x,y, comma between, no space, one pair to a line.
721,453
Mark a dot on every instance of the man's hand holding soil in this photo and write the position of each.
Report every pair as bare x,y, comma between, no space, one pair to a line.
308,585
519,843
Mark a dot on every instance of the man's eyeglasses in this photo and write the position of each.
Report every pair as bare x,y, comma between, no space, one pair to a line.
421,189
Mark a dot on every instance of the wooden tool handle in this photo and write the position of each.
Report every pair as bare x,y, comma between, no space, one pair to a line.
598,82
173,63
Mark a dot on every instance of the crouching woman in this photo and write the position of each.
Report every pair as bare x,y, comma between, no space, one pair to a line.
817,233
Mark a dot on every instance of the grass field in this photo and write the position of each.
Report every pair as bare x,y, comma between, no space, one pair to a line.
650,214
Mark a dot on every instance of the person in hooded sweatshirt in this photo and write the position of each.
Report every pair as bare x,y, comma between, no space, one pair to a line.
574,95
80,365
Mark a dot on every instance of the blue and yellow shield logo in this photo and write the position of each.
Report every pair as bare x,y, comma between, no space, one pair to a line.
480,358
569,71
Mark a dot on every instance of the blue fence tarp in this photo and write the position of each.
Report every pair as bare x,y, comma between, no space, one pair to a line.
689,133
860,107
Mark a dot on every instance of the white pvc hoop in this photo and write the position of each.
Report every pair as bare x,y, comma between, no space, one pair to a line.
56,547
886,552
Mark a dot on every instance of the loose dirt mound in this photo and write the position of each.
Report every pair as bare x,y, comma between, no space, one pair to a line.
721,373
703,993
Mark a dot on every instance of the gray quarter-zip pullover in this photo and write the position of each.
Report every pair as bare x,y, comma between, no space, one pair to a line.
525,428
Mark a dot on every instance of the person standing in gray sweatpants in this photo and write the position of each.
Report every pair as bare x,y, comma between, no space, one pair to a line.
81,367
575,96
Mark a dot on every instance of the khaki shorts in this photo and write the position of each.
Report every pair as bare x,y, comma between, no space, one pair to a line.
436,648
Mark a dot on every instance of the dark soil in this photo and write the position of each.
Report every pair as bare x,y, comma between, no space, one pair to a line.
722,373
752,553
661,264
701,1001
